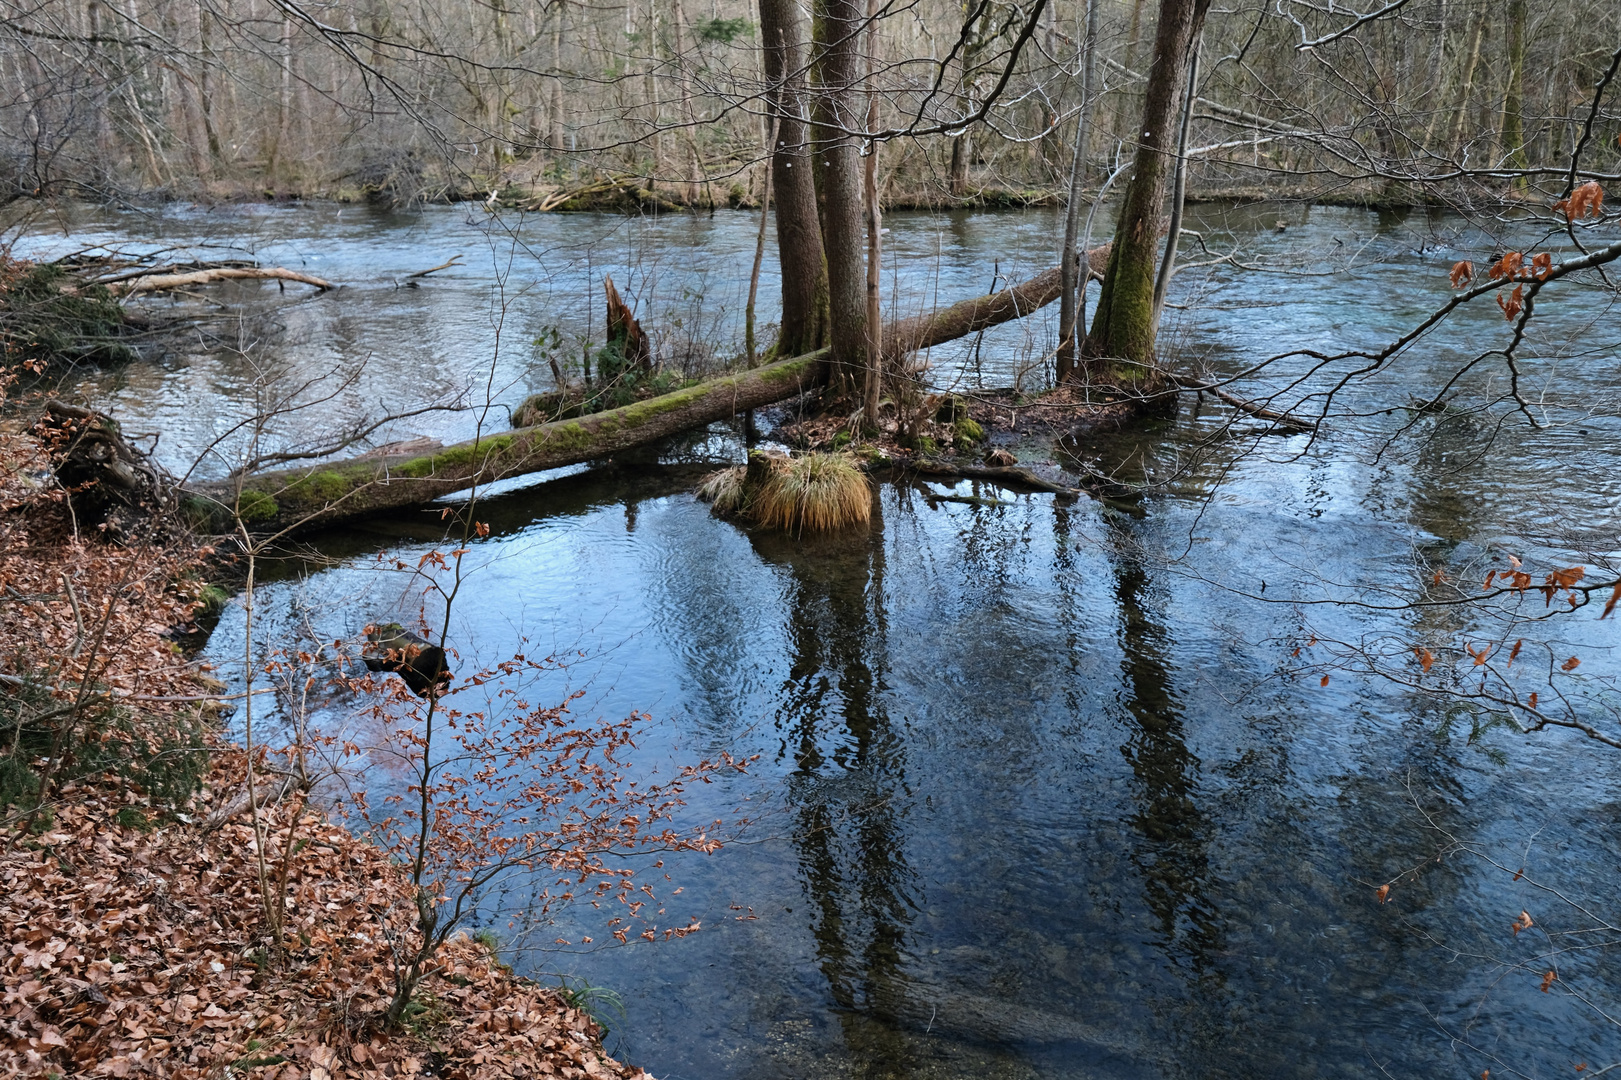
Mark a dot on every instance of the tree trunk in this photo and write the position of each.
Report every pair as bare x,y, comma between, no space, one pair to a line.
980,313
1514,98
1064,363
799,233
958,174
299,499
839,152
1173,235
556,138
873,388
1120,348
1466,90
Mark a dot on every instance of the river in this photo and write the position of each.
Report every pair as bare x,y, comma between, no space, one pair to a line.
1045,788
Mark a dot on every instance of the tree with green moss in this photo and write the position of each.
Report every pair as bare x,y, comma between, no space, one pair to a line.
1119,350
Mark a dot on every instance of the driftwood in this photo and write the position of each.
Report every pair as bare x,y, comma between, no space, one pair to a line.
268,795
110,485
158,282
999,474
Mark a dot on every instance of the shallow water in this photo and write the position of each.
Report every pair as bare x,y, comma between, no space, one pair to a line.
1043,790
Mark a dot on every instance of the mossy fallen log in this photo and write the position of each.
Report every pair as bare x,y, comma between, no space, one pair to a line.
308,497
294,500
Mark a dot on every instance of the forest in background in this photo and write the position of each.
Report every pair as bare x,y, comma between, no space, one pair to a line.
400,100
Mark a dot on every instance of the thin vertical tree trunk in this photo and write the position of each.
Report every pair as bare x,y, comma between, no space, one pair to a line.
759,250
1120,347
1513,126
1466,89
1167,265
799,233
205,82
556,109
650,84
1070,270
284,101
694,169
875,236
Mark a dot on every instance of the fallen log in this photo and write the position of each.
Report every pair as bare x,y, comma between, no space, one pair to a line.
160,282
293,500
982,312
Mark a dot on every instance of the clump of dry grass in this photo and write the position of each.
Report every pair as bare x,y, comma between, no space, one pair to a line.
725,489
816,492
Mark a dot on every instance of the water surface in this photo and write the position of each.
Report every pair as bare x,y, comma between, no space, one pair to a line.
1044,789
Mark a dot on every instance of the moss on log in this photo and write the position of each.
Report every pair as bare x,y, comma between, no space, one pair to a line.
294,500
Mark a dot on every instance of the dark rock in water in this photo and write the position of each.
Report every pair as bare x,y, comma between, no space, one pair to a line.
421,663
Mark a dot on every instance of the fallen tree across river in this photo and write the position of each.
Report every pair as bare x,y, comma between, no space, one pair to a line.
294,500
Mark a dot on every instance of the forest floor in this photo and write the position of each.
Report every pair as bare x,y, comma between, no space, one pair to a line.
130,897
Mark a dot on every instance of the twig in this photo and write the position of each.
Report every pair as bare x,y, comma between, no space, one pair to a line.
1282,419
455,260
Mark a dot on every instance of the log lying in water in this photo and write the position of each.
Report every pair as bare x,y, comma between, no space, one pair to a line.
982,312
293,500
159,282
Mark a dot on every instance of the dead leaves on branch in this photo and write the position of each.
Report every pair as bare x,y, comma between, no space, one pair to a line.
1586,201
1514,266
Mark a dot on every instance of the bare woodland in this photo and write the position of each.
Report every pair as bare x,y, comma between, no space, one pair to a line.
1411,101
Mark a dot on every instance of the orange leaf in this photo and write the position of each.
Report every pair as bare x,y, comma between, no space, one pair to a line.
1610,606
1425,658
1508,266
1515,652
1585,201
1514,304
1382,892
1480,657
1570,665
1548,980
1462,273
1533,701
1324,682
1491,577
1541,266
1564,579
1518,874
1524,921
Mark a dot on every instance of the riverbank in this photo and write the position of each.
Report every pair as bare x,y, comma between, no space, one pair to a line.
133,947
130,888
526,189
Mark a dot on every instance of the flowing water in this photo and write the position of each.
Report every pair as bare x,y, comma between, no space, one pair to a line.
1045,788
